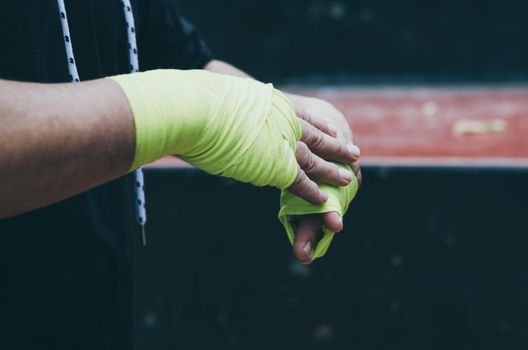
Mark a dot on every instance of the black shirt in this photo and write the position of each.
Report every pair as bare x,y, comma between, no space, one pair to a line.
66,270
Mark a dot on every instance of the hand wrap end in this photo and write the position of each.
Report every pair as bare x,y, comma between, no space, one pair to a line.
292,206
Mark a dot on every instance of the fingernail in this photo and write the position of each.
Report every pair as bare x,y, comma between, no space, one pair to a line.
345,174
354,150
332,128
308,249
324,195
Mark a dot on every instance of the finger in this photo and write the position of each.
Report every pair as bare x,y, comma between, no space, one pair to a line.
320,170
307,189
328,147
333,221
357,171
305,237
320,124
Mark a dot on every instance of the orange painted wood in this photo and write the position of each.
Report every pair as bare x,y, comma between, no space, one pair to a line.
417,125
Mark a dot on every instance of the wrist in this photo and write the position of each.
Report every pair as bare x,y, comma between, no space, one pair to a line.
235,127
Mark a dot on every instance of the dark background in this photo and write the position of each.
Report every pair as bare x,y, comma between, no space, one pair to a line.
431,258
368,40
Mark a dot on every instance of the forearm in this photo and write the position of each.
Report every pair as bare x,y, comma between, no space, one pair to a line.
60,140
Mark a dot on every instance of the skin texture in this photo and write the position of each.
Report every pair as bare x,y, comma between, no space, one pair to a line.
310,225
313,153
60,140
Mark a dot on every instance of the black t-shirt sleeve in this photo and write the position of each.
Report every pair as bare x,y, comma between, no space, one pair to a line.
166,39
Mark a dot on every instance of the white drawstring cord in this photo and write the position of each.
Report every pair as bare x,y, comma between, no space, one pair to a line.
141,213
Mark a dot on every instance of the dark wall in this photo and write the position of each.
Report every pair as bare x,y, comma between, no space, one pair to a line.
373,40
430,259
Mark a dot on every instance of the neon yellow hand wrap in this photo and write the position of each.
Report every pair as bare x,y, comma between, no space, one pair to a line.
339,198
234,127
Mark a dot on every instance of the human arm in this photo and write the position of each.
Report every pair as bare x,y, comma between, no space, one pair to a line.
59,140
168,40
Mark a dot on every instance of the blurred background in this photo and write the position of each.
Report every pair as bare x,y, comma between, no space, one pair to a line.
368,40
433,255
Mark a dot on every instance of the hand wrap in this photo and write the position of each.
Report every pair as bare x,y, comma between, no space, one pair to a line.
229,126
292,206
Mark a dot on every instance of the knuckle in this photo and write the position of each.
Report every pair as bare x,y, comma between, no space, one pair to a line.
343,150
326,126
311,165
301,114
322,126
304,160
317,122
297,184
306,131
335,171
318,141
304,115
305,188
301,148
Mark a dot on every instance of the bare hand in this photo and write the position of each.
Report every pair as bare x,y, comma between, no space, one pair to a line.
319,145
319,115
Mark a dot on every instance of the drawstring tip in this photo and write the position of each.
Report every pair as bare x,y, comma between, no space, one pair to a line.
143,235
